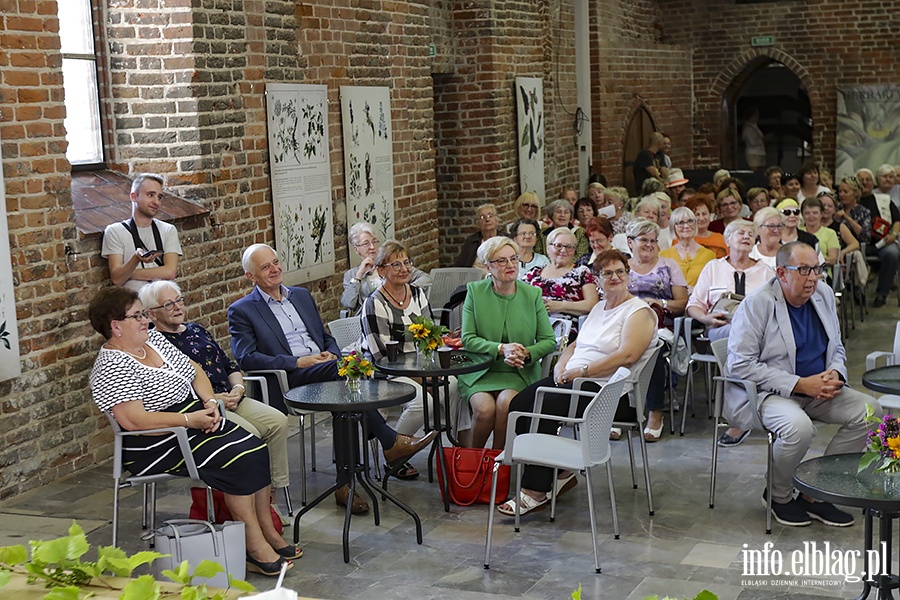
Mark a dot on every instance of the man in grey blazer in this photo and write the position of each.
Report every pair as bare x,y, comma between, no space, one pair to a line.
786,338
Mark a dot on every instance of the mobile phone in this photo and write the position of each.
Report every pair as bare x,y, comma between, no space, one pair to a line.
149,253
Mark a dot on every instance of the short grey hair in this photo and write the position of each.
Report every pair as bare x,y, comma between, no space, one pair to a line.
883,170
359,228
149,294
736,225
140,179
556,205
786,252
247,256
682,213
553,235
647,202
486,206
640,226
766,213
492,246
867,171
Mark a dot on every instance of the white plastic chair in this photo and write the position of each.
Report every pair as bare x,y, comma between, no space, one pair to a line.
889,402
445,281
347,333
561,329
708,360
592,449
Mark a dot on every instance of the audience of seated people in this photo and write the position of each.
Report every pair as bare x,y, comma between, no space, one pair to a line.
690,256
526,232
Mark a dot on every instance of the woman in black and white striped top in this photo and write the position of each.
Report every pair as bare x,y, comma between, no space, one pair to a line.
147,383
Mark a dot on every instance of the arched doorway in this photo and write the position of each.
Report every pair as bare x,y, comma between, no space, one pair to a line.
785,114
637,136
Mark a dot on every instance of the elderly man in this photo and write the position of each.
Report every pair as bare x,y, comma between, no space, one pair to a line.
785,338
279,327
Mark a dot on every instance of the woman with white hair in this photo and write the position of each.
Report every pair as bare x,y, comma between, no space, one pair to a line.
769,224
885,219
887,183
616,196
690,256
528,206
569,291
486,222
361,281
503,317
561,214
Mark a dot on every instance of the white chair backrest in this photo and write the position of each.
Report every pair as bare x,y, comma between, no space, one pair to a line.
598,418
445,281
897,344
640,376
347,332
117,451
720,351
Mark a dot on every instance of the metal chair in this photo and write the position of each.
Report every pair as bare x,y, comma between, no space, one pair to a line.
445,281
685,324
346,332
720,351
561,329
889,402
592,449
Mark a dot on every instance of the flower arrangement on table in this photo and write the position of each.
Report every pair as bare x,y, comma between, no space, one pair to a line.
883,443
426,335
354,367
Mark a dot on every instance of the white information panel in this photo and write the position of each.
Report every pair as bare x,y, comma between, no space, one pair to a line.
9,332
530,135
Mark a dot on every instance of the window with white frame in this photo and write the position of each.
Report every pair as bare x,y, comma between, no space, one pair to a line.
79,64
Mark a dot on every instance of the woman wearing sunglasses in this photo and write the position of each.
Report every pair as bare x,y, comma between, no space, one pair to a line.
792,232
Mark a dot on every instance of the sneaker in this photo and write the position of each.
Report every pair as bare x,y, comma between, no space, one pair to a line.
790,513
879,301
726,441
826,512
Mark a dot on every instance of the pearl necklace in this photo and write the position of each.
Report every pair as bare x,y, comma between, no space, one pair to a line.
139,357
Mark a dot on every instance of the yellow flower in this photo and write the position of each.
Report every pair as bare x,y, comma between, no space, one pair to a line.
894,445
432,344
342,371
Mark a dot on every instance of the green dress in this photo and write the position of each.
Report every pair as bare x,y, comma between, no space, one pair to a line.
490,319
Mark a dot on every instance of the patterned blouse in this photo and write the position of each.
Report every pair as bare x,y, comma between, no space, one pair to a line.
199,345
567,287
618,225
383,322
118,377
863,216
657,284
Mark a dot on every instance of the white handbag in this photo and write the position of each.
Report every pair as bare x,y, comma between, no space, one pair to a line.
195,541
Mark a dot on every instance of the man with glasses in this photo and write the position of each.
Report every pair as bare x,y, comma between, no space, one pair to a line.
486,222
786,339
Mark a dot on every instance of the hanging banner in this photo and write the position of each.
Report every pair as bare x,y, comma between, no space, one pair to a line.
868,128
368,160
9,331
530,135
300,172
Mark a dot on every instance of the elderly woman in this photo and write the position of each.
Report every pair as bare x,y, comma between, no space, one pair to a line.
619,332
560,215
568,290
599,234
773,177
790,186
758,198
810,184
486,222
648,209
856,217
702,207
386,315
848,242
596,193
503,317
166,308
829,245
769,225
882,245
361,281
147,383
792,232
616,197
525,232
690,256
584,211
729,206
528,206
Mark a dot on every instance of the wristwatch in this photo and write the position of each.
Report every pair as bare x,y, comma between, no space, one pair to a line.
584,371
665,304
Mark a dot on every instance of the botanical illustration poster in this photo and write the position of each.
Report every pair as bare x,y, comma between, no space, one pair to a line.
868,128
299,167
530,136
368,159
9,332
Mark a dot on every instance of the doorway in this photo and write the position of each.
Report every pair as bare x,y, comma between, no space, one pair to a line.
637,137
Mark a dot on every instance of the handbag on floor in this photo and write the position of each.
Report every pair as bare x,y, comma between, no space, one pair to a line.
220,513
194,541
469,473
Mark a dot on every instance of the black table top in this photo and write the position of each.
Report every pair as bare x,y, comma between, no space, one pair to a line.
335,397
834,479
410,364
885,380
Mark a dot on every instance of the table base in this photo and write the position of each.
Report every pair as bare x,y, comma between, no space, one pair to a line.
886,582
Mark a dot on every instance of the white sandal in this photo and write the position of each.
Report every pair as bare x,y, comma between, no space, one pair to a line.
527,504
615,434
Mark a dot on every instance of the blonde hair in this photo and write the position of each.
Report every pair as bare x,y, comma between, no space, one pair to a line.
492,246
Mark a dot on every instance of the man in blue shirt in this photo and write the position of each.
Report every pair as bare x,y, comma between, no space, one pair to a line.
786,338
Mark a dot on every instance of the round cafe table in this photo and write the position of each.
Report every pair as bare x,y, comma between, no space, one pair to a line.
885,380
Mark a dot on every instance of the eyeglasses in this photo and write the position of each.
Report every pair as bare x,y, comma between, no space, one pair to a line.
503,261
564,247
644,240
526,234
620,273
688,223
773,226
528,205
407,264
598,241
821,195
805,271
791,212
170,304
138,316
729,204
369,244
487,216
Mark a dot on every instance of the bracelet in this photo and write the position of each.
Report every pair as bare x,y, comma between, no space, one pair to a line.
584,371
240,385
185,419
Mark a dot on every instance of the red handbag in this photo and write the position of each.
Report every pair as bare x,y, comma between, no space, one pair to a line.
469,473
220,509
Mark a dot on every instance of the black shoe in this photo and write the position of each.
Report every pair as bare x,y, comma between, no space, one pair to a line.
879,301
272,569
726,441
790,513
826,512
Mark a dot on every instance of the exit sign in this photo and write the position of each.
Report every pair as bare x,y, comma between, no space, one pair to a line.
763,40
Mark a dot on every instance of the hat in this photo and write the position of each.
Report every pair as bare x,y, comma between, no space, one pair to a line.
676,177
787,203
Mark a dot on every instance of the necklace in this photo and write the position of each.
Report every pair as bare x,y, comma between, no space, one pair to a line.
142,356
394,300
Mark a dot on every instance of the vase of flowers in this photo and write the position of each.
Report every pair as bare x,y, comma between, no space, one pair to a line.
355,367
426,336
883,448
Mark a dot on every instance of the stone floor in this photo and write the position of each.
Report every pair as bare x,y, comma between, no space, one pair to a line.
685,548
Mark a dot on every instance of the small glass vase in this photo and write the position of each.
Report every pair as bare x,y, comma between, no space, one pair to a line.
354,385
426,356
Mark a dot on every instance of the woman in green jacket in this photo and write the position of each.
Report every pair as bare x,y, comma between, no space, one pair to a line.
506,318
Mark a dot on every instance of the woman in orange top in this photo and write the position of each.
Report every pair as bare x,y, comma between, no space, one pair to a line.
702,206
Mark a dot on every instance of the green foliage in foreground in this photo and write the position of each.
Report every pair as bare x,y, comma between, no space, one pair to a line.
58,565
704,595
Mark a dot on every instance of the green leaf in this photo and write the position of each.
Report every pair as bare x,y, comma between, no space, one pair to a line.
142,588
72,547
180,575
193,593
72,592
240,584
576,595
13,555
207,569
4,578
706,595
866,460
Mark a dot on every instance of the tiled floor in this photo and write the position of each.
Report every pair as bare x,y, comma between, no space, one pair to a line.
685,548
